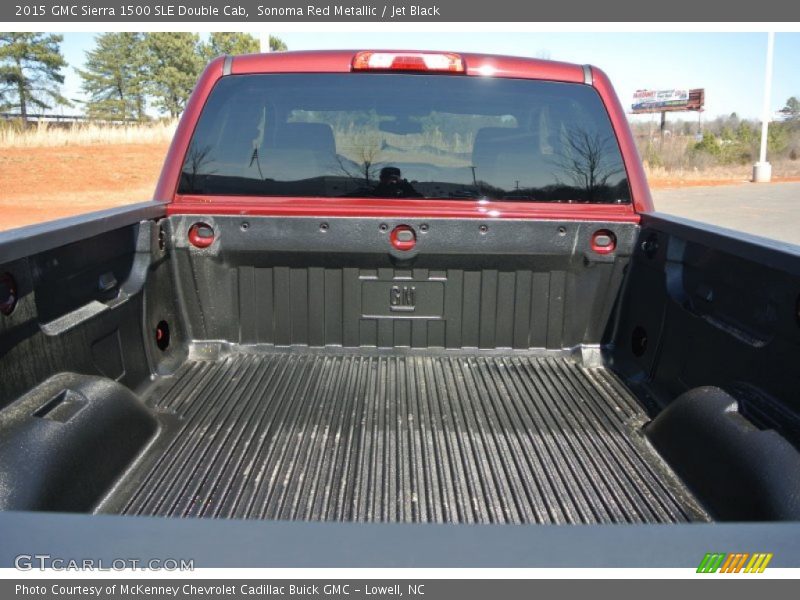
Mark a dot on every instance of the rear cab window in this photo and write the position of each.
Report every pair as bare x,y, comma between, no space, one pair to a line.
379,135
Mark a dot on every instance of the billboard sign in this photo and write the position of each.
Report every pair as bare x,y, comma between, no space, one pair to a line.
650,100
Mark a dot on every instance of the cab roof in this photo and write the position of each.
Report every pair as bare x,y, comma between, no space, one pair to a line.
340,61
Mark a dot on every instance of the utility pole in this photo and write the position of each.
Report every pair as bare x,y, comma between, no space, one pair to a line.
762,170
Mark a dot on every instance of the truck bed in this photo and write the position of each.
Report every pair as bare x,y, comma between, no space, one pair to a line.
399,436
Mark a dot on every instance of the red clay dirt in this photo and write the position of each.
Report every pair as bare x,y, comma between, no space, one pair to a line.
661,183
42,183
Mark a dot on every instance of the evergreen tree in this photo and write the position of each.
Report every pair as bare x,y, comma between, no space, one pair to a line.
114,77
222,43
276,44
30,71
173,66
792,109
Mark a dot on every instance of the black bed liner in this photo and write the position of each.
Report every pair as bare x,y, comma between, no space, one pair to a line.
465,437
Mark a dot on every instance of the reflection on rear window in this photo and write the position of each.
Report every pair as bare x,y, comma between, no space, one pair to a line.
404,136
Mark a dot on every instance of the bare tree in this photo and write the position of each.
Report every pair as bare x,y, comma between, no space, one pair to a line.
366,149
196,160
588,159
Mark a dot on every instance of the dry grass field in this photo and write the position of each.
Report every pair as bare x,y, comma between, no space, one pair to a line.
660,178
49,134
48,171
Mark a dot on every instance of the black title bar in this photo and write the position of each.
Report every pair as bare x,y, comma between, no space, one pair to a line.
255,11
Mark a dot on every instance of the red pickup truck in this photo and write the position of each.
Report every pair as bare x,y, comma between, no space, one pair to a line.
409,287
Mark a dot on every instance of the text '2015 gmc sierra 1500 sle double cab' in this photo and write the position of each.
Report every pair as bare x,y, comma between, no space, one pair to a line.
400,287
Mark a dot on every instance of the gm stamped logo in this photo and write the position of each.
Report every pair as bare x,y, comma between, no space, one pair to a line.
402,298
716,562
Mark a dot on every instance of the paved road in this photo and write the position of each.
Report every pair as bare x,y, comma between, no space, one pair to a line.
771,210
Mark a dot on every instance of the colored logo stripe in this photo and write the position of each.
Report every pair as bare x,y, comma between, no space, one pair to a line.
711,562
758,563
734,562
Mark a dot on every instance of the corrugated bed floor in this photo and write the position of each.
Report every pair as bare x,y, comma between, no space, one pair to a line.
369,437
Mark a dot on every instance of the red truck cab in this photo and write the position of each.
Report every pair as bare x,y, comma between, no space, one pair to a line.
343,61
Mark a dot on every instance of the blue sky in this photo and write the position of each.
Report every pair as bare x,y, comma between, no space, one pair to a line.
730,66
